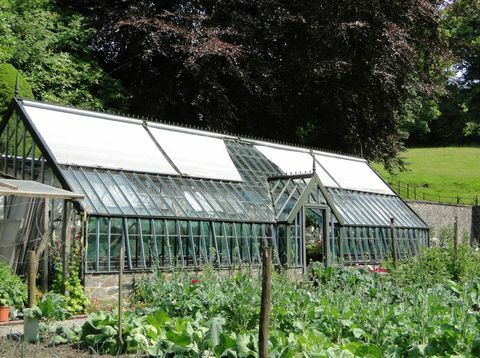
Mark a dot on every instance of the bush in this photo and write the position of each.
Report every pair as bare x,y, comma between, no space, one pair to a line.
13,292
437,264
8,75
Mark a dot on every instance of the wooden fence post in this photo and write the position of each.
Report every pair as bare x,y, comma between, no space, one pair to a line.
31,277
266,301
393,234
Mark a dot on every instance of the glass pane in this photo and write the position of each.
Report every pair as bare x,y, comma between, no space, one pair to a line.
130,194
102,192
294,161
117,194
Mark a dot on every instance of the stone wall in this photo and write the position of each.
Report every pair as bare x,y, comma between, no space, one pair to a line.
104,287
439,216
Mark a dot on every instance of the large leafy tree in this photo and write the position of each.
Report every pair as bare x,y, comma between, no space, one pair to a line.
49,46
331,74
334,74
462,107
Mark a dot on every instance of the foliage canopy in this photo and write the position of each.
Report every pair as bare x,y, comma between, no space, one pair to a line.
335,75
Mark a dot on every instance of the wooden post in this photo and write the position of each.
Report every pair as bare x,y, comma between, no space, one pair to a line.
31,277
326,239
408,191
394,241
65,241
455,238
340,244
266,301
42,250
120,293
84,230
44,275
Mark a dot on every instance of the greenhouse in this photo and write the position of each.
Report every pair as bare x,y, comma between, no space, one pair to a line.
179,197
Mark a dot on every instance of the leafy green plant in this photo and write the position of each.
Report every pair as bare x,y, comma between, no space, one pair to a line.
438,263
51,308
13,292
337,312
76,300
33,312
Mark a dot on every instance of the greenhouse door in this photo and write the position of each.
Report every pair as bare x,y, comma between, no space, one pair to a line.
315,233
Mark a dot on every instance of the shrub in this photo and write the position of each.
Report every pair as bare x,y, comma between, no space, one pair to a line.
13,292
8,75
437,264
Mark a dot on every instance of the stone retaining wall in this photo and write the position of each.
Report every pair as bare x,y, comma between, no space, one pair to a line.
439,216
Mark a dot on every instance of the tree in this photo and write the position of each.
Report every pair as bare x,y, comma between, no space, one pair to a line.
462,23
328,74
49,46
8,81
455,117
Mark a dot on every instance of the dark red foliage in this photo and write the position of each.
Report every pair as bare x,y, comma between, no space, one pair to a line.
332,74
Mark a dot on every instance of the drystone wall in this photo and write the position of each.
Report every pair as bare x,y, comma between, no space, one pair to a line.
441,216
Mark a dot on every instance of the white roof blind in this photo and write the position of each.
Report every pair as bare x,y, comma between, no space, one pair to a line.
197,155
75,138
353,174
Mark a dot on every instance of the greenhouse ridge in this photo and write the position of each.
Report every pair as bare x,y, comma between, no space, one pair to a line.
188,128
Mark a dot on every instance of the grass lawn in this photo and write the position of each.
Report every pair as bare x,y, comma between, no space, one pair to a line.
438,173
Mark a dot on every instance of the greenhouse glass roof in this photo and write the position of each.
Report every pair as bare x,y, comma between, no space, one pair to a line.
130,167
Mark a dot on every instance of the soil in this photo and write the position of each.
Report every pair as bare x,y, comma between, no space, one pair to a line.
14,346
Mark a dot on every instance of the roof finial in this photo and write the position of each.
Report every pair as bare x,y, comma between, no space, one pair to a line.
17,89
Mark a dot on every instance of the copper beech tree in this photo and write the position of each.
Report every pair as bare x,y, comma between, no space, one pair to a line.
335,74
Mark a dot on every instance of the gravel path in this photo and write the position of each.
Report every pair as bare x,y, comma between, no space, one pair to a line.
16,327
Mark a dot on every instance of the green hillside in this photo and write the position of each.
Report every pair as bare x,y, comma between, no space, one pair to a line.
439,174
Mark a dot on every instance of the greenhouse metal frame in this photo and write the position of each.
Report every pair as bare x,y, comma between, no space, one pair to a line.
179,197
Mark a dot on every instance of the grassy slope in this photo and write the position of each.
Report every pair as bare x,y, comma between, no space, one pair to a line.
445,172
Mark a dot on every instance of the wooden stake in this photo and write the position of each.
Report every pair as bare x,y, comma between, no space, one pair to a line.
455,238
340,244
65,241
120,293
44,275
31,273
266,301
394,241
43,246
